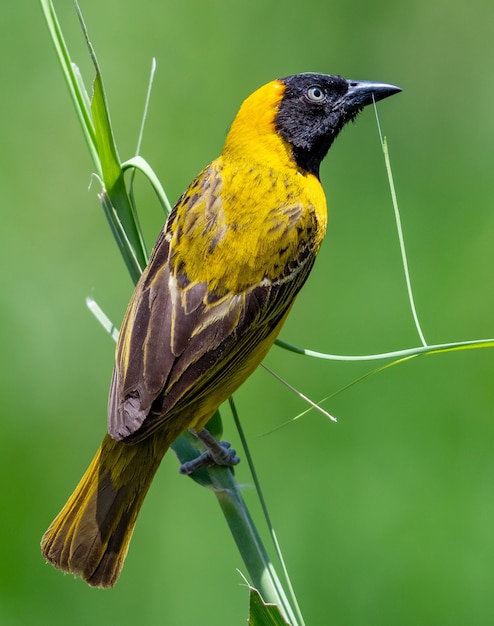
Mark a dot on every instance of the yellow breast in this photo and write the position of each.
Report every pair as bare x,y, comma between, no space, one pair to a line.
245,222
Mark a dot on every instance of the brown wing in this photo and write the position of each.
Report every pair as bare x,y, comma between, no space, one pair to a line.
179,342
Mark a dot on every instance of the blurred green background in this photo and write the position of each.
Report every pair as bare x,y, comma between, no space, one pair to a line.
384,518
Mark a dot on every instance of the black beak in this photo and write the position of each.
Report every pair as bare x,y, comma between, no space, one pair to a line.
362,92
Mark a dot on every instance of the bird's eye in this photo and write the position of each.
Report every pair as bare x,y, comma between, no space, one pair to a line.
315,94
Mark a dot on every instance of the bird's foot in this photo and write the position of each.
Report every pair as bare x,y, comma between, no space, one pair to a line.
217,453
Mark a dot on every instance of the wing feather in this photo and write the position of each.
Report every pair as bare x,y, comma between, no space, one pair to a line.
180,340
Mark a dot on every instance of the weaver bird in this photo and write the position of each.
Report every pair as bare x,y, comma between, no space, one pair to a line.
233,254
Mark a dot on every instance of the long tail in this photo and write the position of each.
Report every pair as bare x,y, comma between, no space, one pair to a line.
91,534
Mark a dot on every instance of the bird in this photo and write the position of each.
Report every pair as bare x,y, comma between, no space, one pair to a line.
223,275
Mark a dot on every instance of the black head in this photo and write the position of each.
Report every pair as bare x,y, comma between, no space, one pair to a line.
314,109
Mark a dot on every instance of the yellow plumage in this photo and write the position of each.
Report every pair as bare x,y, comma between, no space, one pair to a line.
224,273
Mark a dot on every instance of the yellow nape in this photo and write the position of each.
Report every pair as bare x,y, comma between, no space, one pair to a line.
253,133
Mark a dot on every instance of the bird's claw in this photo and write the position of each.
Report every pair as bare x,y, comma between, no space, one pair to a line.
218,453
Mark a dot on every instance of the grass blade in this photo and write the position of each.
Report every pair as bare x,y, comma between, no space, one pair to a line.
399,228
73,80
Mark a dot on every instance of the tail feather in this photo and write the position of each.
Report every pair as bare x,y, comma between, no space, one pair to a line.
91,534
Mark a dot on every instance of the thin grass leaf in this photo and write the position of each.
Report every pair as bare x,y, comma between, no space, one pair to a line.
112,173
399,354
133,264
107,150
247,539
295,615
263,614
146,106
86,99
404,356
138,163
73,80
314,405
102,318
399,229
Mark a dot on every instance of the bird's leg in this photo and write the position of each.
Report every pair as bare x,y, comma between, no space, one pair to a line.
217,453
